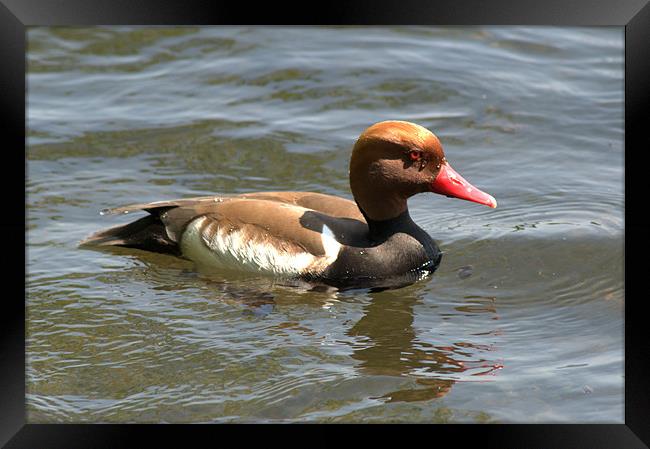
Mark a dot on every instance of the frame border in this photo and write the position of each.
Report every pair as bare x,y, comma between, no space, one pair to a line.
16,15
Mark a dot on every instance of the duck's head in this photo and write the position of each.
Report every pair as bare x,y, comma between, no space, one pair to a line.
394,160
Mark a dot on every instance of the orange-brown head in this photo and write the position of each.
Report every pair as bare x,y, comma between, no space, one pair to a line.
394,160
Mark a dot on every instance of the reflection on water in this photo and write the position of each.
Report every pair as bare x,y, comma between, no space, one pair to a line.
391,348
392,351
522,321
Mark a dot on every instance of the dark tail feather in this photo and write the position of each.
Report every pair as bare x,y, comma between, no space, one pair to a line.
148,233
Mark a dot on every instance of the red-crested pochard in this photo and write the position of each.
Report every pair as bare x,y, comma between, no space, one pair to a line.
313,236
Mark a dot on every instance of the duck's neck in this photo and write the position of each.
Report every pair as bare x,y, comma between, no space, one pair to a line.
381,206
380,230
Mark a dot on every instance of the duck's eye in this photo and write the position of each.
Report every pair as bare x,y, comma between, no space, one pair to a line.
415,155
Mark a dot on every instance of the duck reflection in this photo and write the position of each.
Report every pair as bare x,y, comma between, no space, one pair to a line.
392,349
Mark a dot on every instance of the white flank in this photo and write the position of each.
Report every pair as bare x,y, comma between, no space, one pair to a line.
330,244
233,250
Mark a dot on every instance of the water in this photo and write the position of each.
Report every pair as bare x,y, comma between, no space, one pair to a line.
522,322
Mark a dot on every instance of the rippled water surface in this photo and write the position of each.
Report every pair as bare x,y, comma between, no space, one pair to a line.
522,322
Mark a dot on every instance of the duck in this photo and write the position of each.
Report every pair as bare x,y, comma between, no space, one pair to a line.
309,235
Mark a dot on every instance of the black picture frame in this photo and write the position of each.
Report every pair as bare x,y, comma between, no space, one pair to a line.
16,15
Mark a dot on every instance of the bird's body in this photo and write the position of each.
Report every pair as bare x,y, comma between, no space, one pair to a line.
312,235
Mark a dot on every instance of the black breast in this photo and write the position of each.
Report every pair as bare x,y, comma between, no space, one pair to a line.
393,248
